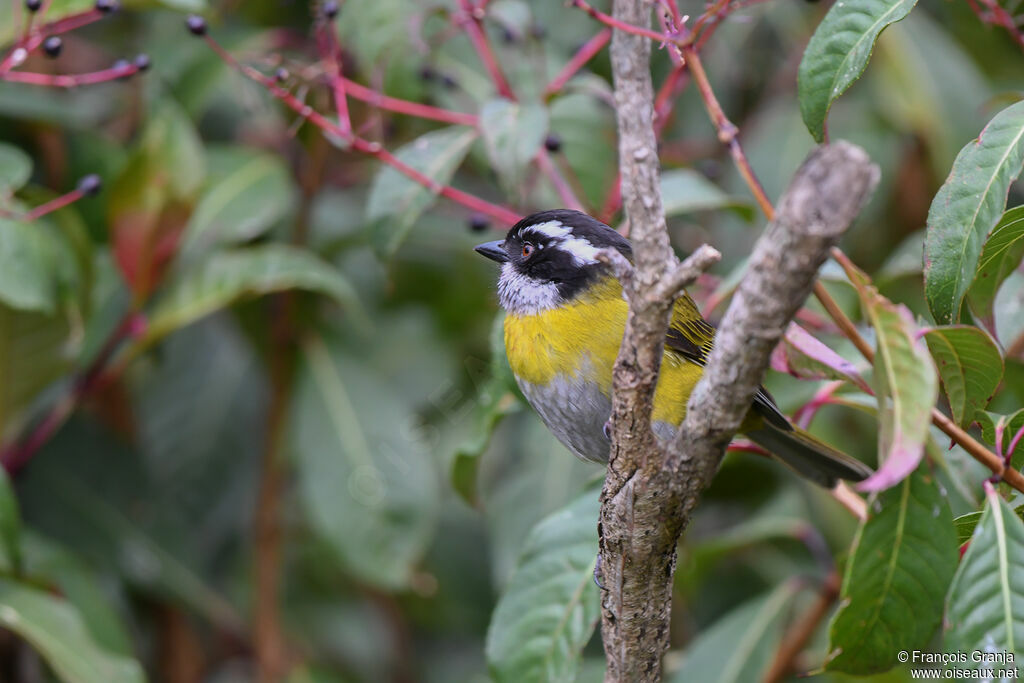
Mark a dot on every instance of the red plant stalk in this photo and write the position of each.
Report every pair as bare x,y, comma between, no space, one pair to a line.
34,38
582,56
499,213
998,16
55,204
470,19
562,187
423,111
330,52
70,80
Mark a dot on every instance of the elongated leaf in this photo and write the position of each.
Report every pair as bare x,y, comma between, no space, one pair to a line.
10,523
985,607
27,267
55,629
366,481
250,192
684,190
34,351
1000,256
902,561
549,610
906,385
966,524
496,399
801,355
513,133
15,169
838,53
970,366
751,634
227,276
396,201
966,209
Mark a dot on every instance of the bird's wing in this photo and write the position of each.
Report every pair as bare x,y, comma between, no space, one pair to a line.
690,336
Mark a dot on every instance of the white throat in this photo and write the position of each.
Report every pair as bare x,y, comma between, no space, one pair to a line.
522,295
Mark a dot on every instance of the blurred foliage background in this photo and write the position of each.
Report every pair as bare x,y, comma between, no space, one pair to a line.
284,441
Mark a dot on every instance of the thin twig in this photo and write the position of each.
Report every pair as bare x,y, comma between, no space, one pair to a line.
799,634
578,60
470,18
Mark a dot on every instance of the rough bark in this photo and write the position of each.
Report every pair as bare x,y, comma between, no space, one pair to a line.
651,487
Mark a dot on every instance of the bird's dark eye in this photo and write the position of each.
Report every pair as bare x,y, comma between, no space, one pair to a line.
528,250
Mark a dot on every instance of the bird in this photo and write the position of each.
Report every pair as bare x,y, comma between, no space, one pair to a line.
565,315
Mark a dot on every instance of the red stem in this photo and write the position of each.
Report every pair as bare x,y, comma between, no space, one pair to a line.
358,144
470,18
55,204
565,192
330,52
998,16
423,111
29,42
69,80
609,20
582,56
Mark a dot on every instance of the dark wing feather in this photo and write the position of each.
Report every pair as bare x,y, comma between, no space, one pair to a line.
691,337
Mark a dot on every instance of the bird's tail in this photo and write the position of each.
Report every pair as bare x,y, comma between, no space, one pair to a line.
811,458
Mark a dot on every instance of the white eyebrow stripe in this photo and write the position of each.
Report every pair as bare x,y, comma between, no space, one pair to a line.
552,229
582,250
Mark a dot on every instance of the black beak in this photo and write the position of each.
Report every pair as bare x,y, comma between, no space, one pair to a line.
492,250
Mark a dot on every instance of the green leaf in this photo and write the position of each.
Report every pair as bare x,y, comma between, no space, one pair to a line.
587,128
684,190
497,398
27,267
906,386
56,630
99,513
1000,256
970,366
10,523
396,202
966,524
967,208
512,134
750,633
838,53
15,169
901,563
252,191
365,479
985,607
34,351
551,606
227,276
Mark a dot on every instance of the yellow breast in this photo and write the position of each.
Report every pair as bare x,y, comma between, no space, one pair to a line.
586,334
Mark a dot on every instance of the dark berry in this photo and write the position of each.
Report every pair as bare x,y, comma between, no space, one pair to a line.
427,73
141,61
508,36
52,46
33,5
478,222
537,31
553,143
106,6
90,185
281,75
196,25
449,82
330,9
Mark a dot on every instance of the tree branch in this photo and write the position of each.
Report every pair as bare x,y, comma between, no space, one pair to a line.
649,489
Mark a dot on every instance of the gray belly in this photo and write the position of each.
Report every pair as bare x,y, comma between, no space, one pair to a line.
575,410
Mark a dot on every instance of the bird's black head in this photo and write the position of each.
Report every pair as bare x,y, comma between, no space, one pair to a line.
550,257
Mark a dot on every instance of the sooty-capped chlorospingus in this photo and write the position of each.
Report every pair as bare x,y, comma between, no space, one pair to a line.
565,316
